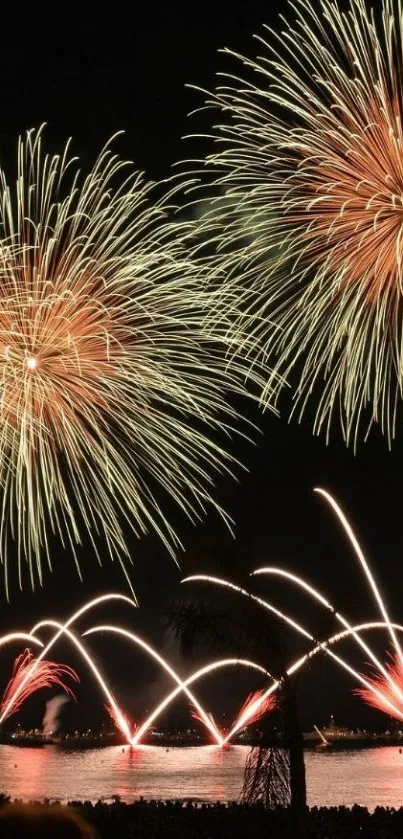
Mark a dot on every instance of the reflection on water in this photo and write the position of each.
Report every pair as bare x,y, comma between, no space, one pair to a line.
368,777
205,772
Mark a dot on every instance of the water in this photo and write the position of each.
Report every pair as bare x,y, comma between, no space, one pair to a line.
368,777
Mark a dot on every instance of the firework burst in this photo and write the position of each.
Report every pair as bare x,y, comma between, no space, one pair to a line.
113,376
383,689
117,717
308,219
46,675
198,717
386,694
255,707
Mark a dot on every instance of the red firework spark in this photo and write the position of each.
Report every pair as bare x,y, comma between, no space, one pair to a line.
46,674
268,704
118,718
387,691
198,717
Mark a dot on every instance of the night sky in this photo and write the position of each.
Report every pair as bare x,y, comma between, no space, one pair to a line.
88,78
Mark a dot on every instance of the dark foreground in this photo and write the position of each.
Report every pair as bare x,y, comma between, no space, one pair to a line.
155,819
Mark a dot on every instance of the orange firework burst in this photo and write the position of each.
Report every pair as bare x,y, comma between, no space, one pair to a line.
309,212
46,675
387,695
113,376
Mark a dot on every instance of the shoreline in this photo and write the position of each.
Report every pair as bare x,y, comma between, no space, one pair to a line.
83,744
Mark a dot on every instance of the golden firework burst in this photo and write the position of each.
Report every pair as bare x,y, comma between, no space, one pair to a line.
309,214
113,376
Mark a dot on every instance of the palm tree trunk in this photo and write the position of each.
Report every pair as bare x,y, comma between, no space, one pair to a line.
295,743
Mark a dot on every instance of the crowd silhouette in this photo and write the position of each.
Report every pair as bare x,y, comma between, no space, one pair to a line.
188,820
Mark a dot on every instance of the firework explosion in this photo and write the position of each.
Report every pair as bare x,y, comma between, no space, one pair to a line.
117,719
308,216
113,377
46,675
203,671
64,630
30,674
384,690
198,717
256,706
164,664
388,691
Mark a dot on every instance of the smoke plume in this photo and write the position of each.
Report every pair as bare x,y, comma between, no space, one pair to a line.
51,720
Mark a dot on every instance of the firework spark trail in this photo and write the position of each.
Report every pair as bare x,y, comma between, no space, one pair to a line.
203,671
347,527
375,687
243,718
19,636
318,648
164,664
11,703
47,674
305,185
91,604
383,687
380,698
116,711
119,718
208,578
267,704
113,372
196,716
298,627
298,581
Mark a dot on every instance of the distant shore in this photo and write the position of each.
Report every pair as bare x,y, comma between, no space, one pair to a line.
335,742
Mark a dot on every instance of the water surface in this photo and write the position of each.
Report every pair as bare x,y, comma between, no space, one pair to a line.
368,777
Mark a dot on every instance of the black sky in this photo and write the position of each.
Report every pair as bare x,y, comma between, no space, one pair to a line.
88,77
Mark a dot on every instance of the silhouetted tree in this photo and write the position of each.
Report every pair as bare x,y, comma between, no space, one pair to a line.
244,630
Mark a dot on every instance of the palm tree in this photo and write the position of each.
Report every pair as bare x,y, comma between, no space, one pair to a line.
244,630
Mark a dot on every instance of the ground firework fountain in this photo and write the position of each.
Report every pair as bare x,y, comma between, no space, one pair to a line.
27,680
383,688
